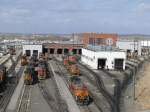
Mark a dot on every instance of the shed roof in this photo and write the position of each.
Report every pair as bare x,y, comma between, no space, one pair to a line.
103,48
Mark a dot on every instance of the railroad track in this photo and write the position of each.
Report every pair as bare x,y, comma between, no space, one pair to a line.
99,83
24,105
7,57
117,89
56,106
4,100
91,94
6,96
60,72
48,98
4,60
84,108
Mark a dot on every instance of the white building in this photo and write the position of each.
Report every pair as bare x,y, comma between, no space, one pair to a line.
104,58
31,49
145,43
129,46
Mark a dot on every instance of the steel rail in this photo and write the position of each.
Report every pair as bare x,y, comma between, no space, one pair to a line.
102,89
85,108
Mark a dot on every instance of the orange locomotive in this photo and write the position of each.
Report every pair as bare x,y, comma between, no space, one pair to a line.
28,80
41,70
2,78
24,60
2,74
73,69
70,63
79,90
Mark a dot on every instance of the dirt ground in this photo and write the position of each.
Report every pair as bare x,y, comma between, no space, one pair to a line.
143,89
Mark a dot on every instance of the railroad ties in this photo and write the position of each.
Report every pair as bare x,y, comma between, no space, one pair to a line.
95,79
25,99
48,98
56,104
9,88
4,59
91,107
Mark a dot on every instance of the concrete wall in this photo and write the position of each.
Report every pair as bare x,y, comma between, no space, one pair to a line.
31,48
91,58
88,57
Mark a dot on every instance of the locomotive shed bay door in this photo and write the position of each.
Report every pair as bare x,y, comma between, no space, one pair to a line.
35,52
118,64
28,52
101,63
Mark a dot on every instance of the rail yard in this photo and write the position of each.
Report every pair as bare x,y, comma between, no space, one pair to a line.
74,56
69,78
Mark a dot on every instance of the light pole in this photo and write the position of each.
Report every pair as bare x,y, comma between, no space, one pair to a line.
134,75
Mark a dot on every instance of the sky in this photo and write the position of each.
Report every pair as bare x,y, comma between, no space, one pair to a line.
68,16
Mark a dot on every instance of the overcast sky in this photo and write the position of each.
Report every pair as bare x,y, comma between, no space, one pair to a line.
68,16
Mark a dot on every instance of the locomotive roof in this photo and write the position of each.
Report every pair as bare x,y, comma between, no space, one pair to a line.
76,80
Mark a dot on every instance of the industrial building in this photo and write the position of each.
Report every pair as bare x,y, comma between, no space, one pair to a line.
55,48
99,39
99,57
130,46
61,48
141,47
145,43
31,49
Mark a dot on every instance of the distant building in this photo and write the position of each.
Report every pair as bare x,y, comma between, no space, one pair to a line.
99,39
129,46
145,43
98,57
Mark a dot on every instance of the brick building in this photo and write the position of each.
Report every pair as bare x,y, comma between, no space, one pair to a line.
99,39
63,48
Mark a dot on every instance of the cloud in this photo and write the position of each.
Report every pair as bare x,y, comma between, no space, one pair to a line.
15,15
73,15
143,7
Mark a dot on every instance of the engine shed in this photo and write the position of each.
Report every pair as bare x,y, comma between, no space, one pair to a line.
30,49
104,57
62,48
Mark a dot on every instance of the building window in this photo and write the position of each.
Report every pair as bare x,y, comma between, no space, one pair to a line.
91,41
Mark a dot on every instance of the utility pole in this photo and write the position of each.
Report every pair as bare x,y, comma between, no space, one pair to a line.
134,75
73,50
147,48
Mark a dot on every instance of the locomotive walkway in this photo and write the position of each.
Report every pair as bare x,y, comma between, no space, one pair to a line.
64,91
